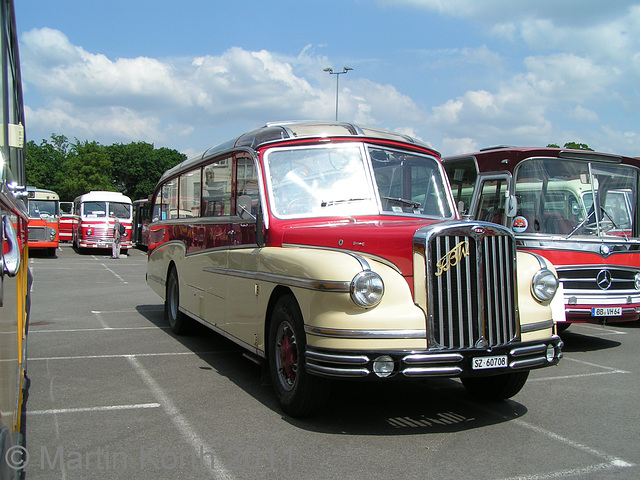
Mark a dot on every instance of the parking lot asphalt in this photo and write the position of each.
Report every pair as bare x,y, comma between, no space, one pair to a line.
115,394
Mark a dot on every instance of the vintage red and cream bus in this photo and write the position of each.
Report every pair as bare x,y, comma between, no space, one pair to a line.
44,217
67,222
96,212
329,250
579,209
15,277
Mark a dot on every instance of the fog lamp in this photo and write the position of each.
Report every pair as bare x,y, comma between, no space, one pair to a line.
636,281
383,366
551,353
89,231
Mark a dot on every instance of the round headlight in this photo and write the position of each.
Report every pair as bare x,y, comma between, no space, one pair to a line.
367,289
544,285
636,281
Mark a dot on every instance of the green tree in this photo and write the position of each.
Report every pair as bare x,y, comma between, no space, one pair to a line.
578,146
87,167
74,169
45,160
573,145
138,166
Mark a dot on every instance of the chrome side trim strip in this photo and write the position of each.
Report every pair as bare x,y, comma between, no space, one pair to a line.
308,283
533,327
365,334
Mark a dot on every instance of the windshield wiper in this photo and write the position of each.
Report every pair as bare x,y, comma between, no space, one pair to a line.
328,203
403,201
582,223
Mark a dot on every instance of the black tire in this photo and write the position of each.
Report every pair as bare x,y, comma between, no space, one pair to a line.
497,387
562,326
299,394
180,324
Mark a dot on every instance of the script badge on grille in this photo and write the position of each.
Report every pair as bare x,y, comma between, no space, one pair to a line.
452,257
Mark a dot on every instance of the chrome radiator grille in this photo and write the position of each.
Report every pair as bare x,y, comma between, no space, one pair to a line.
471,287
36,234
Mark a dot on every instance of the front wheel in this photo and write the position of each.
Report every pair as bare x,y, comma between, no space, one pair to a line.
498,387
178,321
299,394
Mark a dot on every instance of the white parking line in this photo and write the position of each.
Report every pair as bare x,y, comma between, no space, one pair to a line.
178,419
105,408
610,462
578,375
93,357
114,273
101,329
601,330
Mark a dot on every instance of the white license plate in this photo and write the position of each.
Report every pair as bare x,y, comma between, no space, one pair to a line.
103,245
606,312
482,363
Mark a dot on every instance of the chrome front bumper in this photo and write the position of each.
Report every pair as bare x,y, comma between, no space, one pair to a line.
437,363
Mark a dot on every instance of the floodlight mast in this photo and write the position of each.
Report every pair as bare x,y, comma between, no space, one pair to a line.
330,71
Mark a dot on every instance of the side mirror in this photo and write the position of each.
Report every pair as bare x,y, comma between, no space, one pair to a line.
243,207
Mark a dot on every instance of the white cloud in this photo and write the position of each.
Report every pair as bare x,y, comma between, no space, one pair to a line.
583,114
458,146
157,101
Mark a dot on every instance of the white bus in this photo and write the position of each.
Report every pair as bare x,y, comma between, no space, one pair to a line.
96,212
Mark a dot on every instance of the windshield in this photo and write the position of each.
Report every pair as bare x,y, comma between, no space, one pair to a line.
94,209
43,208
351,179
120,210
557,197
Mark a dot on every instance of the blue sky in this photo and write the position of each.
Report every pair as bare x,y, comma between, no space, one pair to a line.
459,74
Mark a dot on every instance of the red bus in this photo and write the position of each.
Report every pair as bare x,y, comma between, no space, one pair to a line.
15,277
578,209
330,250
44,216
67,222
96,212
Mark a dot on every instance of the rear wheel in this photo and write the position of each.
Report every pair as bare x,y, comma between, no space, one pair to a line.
178,321
299,394
498,387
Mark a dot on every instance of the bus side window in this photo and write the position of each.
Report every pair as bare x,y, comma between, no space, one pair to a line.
247,183
216,189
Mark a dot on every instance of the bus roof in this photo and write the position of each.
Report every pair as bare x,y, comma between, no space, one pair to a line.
282,131
506,158
104,196
41,193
